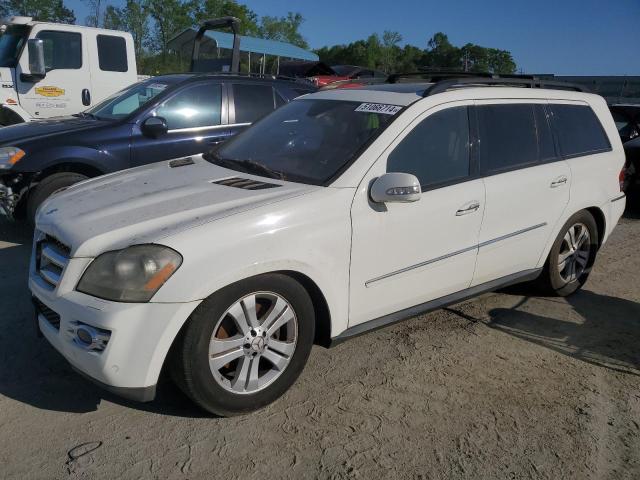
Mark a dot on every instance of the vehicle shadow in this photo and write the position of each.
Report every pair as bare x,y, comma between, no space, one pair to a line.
31,371
606,334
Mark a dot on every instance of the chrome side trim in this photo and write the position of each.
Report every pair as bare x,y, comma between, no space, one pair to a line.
509,235
418,265
453,254
208,127
618,198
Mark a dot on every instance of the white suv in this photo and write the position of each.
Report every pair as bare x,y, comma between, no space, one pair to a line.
341,212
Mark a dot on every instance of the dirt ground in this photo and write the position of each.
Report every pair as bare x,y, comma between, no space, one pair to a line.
505,386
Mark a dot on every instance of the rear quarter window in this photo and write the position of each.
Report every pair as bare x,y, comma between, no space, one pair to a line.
579,131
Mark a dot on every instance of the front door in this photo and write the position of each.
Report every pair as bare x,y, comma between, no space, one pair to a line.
196,117
67,75
405,254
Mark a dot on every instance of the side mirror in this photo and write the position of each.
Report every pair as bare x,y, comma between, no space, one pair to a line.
154,127
396,187
35,47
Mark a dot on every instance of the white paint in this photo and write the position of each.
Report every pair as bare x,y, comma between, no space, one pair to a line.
333,235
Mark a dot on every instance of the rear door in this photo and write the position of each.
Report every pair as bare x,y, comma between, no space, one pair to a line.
197,119
527,186
67,75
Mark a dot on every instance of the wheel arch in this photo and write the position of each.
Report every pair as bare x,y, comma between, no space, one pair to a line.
320,306
601,222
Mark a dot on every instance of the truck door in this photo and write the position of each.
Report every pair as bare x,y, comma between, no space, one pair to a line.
67,67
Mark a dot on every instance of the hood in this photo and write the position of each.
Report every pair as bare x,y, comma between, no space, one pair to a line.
24,132
148,203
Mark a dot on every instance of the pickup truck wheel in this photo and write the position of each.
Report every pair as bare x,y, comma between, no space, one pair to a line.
47,187
244,346
572,256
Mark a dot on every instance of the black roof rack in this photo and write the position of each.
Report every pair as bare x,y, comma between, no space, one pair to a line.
448,80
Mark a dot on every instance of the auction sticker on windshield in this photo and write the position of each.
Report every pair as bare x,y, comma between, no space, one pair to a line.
379,108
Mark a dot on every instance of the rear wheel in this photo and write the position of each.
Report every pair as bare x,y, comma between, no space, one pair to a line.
47,187
572,256
245,345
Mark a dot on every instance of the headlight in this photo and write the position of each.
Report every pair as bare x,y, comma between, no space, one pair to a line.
9,156
131,275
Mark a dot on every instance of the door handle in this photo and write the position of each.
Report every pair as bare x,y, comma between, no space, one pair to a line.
559,182
86,97
468,208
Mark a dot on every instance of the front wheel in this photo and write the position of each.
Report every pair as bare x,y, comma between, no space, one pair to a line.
572,256
47,187
244,346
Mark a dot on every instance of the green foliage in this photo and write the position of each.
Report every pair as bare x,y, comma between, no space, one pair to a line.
284,29
440,54
43,10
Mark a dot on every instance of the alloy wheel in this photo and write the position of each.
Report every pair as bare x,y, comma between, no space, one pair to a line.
574,252
253,342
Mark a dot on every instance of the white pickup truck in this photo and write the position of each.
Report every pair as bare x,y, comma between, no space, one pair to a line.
50,69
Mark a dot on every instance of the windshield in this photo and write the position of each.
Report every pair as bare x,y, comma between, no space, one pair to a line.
11,42
306,141
127,101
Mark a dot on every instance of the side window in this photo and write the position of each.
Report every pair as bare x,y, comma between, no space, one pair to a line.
62,50
252,101
112,53
436,150
579,130
196,106
508,136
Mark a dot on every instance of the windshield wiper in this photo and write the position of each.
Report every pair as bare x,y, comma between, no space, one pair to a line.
248,166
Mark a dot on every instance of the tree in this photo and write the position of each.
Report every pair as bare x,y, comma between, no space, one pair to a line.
94,17
441,54
208,9
284,29
390,50
169,17
43,10
133,18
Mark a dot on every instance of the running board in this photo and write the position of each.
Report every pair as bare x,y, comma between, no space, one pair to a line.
349,333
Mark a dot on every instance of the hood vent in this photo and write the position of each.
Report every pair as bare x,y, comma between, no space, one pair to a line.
244,183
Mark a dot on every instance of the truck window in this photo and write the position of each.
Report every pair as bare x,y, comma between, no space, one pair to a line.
62,50
196,106
112,53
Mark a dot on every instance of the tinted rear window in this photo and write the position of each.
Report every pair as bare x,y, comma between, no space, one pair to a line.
508,136
112,53
579,130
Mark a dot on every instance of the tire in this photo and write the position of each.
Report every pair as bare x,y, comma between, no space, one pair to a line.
212,337
47,187
567,268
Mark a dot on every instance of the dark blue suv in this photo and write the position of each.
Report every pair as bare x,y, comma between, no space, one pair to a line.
160,118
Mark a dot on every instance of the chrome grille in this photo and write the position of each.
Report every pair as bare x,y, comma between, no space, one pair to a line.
51,259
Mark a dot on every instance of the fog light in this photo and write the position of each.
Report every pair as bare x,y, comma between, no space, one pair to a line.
89,338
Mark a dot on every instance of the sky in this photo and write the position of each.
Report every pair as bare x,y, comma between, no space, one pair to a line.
564,37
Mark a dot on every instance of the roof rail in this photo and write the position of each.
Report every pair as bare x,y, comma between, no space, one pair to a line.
434,75
444,80
269,76
451,83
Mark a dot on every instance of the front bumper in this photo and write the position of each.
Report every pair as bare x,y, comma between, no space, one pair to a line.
140,335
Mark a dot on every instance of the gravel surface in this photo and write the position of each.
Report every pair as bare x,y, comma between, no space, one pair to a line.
506,386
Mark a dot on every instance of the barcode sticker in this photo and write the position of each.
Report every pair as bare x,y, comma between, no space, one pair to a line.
379,108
